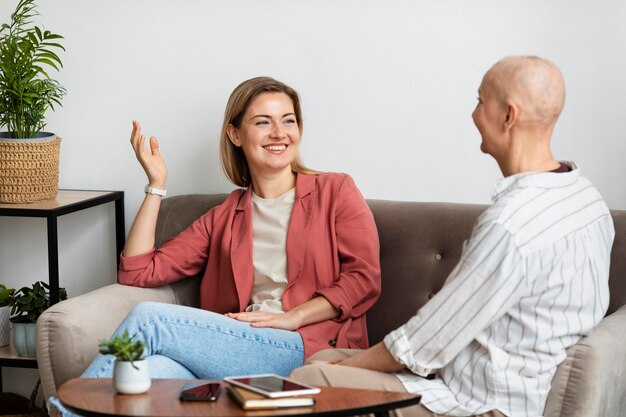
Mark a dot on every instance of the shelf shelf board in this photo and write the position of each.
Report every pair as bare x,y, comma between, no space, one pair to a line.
8,357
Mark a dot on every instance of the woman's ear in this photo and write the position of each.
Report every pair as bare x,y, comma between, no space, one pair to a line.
233,135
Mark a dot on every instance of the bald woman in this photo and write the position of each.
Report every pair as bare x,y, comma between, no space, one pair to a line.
532,280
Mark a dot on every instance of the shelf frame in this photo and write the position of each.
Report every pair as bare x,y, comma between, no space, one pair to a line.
66,202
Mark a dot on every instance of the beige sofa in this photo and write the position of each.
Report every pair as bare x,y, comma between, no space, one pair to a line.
420,244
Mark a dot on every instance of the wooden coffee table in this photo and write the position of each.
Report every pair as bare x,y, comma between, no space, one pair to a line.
96,397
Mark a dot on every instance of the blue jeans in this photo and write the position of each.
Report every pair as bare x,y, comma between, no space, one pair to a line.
186,342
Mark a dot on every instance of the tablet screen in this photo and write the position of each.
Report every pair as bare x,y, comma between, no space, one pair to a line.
272,385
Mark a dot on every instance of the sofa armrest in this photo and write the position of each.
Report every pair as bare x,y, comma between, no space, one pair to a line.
590,381
68,332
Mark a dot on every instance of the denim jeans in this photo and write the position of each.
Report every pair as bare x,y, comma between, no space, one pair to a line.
186,342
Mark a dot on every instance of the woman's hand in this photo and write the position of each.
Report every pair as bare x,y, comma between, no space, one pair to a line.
285,321
150,160
313,311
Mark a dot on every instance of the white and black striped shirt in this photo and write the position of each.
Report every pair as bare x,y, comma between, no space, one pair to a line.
533,279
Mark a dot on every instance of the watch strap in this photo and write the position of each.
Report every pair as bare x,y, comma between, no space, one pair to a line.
155,191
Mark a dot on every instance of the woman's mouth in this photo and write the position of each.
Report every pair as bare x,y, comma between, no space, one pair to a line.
275,148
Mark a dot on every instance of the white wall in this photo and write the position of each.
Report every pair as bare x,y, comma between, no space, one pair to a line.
387,90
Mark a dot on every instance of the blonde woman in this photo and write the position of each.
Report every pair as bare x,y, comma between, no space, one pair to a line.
290,259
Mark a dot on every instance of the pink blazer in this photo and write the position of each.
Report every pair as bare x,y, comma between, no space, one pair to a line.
332,251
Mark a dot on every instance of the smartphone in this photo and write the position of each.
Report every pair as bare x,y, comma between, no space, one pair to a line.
200,392
272,385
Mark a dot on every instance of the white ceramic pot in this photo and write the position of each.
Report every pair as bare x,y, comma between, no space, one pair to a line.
130,380
23,335
5,329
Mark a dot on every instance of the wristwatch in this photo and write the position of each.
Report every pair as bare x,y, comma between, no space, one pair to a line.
155,191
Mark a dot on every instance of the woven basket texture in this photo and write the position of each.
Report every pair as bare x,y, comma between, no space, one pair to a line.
29,171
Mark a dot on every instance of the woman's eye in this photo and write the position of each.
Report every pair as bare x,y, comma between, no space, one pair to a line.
290,121
262,123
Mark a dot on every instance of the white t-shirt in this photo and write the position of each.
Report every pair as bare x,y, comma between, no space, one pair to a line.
270,221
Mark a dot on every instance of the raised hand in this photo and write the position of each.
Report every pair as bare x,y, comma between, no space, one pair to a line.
150,159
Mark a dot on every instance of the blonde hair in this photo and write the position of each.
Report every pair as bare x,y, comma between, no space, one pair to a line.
233,160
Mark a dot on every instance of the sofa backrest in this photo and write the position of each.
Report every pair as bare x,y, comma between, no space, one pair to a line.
175,215
420,243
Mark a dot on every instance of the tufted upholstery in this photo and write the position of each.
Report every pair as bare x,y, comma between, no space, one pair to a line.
420,244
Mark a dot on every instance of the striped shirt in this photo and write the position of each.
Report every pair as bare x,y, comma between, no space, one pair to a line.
532,280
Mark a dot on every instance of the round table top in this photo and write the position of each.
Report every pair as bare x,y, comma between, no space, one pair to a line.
96,397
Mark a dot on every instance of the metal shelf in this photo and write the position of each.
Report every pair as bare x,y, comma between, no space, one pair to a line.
66,201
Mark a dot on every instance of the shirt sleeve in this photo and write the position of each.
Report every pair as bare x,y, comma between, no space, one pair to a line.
359,282
177,258
487,281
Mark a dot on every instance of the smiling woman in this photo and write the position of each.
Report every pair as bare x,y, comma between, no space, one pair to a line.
289,265
266,108
269,137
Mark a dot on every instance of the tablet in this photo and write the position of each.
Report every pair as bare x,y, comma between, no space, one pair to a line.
271,385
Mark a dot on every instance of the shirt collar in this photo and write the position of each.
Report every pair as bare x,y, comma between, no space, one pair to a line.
305,184
537,179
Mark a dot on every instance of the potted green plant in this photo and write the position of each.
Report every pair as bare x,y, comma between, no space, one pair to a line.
5,306
29,157
130,373
27,304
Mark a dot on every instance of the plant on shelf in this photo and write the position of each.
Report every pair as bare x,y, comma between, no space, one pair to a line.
29,157
130,374
27,304
6,295
26,90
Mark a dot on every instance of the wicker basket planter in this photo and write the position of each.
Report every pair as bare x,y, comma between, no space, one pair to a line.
29,168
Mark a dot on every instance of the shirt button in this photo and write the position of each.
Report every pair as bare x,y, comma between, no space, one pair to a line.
332,342
437,257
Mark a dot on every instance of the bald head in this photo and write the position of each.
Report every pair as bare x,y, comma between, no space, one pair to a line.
534,84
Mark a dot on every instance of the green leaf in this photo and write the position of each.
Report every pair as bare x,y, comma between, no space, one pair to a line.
48,55
33,40
53,36
55,45
47,61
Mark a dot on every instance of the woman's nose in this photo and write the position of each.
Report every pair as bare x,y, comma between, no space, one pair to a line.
278,131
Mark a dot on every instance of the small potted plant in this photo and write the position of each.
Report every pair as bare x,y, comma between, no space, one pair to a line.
6,295
29,157
130,374
27,304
